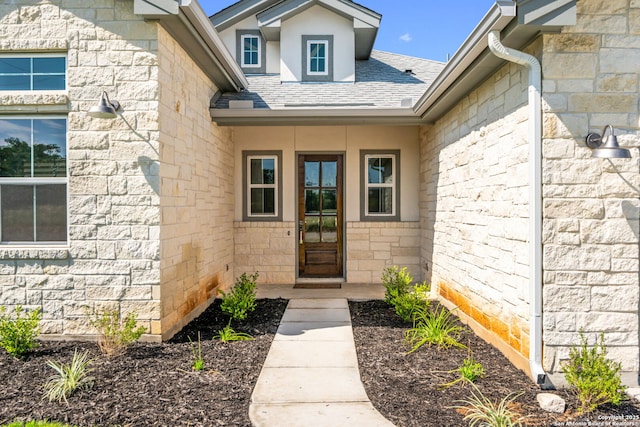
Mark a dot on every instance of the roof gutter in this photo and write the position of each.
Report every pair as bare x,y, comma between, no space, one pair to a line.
535,199
190,27
197,21
311,116
498,17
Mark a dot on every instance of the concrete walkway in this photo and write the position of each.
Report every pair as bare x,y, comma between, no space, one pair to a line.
311,377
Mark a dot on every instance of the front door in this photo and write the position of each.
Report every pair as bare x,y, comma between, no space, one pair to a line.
320,215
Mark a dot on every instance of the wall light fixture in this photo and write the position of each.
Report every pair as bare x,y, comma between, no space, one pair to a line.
606,148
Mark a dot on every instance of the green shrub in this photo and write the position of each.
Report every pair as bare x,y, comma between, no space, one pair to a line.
433,329
595,379
408,305
479,410
68,378
396,282
241,300
18,334
116,334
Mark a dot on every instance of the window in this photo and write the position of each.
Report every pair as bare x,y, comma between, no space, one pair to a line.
317,63
380,185
262,176
42,72
317,54
251,52
33,180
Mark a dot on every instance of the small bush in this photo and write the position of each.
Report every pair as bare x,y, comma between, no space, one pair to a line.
241,300
479,410
408,305
595,379
18,335
396,282
68,378
433,329
115,334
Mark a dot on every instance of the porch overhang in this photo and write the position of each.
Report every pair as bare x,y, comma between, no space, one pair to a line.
312,116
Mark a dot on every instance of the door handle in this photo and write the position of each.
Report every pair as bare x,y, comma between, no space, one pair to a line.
300,226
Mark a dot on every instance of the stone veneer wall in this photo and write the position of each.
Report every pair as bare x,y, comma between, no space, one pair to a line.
474,209
268,248
113,255
373,246
591,238
196,185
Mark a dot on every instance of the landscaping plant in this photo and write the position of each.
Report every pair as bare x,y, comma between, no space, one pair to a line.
396,282
433,329
595,379
470,371
68,378
237,304
116,334
18,334
479,410
198,361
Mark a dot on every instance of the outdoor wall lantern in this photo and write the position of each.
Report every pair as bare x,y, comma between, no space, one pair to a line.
610,149
105,109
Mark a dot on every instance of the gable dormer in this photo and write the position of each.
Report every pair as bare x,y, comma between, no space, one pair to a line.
301,40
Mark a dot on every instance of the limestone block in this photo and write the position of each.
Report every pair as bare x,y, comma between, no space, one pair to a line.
567,298
7,266
617,83
569,65
29,267
550,402
607,322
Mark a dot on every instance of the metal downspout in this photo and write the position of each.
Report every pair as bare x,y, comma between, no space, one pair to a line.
535,200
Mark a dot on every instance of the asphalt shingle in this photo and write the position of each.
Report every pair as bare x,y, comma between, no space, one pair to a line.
383,81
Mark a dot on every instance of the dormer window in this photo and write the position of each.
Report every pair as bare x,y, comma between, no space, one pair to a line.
317,58
317,51
250,51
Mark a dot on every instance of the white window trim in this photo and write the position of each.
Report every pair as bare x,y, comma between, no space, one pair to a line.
40,181
242,51
251,186
326,58
37,55
392,185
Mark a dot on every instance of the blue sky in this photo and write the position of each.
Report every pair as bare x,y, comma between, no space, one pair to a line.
423,28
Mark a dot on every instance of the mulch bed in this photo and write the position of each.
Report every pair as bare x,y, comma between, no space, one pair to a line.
152,384
406,388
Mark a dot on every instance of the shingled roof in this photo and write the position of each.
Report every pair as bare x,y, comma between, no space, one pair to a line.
386,80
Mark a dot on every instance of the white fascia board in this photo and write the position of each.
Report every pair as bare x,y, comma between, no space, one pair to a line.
310,116
239,11
283,11
500,14
350,10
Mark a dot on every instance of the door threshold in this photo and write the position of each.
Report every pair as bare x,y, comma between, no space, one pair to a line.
303,280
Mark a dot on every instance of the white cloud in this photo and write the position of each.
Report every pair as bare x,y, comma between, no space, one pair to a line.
406,37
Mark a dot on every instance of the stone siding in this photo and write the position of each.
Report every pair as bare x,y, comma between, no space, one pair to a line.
591,238
474,208
113,254
268,248
196,183
374,246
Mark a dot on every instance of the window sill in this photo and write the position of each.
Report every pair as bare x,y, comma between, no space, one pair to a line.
30,252
31,102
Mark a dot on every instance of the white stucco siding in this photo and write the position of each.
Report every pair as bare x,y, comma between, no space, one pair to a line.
228,36
317,21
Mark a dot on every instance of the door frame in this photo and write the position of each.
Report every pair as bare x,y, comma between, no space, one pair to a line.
343,216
